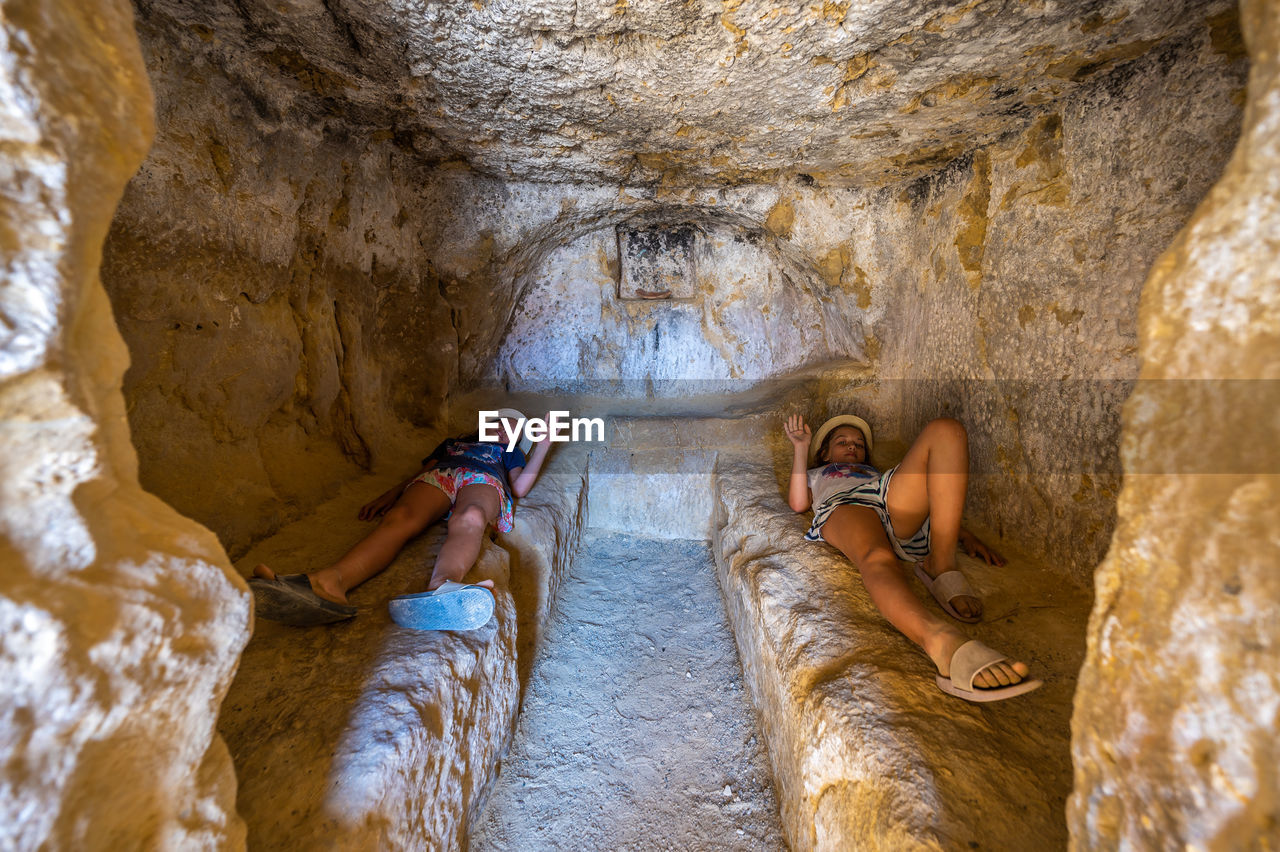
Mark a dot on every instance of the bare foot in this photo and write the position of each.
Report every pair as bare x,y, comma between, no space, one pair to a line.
318,587
967,606
944,644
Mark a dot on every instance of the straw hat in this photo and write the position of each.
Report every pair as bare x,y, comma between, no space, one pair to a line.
834,423
515,416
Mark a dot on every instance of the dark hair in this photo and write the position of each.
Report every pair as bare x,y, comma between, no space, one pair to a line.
824,447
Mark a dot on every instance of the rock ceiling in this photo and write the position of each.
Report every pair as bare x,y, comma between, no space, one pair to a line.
694,92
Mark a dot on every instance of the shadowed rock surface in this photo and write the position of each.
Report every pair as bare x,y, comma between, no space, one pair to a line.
121,622
699,94
1175,724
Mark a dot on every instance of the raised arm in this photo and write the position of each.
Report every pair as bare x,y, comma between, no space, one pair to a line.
522,478
798,495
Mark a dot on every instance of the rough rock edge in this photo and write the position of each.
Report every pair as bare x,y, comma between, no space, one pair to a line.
121,621
1174,737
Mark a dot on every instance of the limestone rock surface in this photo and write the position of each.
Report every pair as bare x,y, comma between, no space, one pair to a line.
365,735
663,494
1174,727
655,476
708,92
120,621
356,210
341,292
867,753
1003,290
753,319
261,269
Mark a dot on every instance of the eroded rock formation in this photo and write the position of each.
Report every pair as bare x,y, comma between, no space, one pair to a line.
358,218
120,621
1175,717
702,94
341,286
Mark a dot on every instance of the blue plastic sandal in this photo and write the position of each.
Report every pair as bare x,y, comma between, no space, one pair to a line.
453,606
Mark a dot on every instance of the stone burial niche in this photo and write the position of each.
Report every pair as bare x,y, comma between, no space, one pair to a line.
260,257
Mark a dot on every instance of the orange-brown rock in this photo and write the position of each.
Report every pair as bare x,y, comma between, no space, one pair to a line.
1174,729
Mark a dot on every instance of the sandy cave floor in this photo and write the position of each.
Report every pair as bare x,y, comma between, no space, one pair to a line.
636,732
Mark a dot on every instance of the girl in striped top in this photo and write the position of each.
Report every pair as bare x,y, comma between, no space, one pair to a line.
909,512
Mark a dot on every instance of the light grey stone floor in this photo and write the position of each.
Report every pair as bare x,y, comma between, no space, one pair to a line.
636,731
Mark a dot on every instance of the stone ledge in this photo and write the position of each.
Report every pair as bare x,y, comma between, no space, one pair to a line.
364,735
867,753
652,493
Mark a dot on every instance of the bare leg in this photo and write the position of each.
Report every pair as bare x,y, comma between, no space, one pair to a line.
930,483
419,506
857,532
477,506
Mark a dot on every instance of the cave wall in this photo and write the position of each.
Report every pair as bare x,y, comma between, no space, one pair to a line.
337,286
752,316
1174,732
348,290
1011,282
121,622
1002,289
262,267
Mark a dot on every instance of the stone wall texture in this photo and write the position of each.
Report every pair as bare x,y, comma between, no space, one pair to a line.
755,317
120,621
1013,278
1002,290
1175,721
346,270
703,93
261,267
